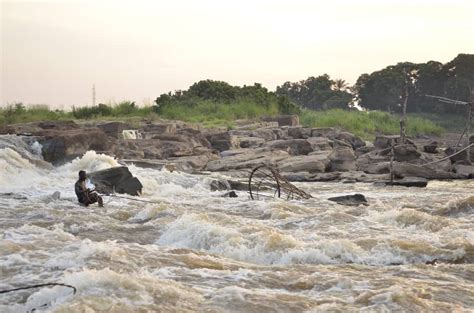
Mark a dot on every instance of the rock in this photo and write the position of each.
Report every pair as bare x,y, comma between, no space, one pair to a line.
352,200
113,129
292,146
242,185
431,147
251,142
407,182
342,159
384,141
219,184
353,140
319,144
223,141
265,133
411,170
323,132
465,170
230,194
116,179
60,146
299,132
284,120
363,150
247,160
377,168
403,153
154,128
307,163
307,177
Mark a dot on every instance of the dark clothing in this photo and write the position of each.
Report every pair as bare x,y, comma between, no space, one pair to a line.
84,195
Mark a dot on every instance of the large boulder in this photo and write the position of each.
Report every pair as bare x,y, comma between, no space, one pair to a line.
412,170
299,132
319,144
113,129
223,141
246,159
292,146
60,146
403,153
251,142
116,179
353,140
342,159
465,170
306,163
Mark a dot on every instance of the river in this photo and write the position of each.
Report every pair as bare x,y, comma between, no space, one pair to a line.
192,250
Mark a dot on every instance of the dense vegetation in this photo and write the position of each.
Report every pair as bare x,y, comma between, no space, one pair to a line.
318,93
385,89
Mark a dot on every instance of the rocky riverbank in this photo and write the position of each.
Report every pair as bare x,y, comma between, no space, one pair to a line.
299,153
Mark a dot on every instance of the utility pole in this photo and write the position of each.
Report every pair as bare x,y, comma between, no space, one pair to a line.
403,119
93,95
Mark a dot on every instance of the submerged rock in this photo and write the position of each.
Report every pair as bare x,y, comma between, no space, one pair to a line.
116,179
355,199
406,181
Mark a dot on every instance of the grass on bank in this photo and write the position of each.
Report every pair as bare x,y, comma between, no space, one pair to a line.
211,113
368,124
215,114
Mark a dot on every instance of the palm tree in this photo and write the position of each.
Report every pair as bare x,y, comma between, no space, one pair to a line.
339,85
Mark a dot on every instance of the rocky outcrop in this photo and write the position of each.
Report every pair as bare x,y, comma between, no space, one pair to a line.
116,179
60,146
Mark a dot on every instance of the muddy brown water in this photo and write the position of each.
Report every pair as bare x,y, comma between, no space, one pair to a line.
193,251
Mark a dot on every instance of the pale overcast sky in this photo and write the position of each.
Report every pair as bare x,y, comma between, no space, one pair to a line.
54,51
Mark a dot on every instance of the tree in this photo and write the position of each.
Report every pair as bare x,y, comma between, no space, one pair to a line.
316,92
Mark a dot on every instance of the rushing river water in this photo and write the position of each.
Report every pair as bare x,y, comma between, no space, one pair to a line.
192,250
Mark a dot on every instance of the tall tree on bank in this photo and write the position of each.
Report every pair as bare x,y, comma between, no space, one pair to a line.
384,89
317,93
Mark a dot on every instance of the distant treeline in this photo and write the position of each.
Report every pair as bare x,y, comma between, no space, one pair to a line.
382,90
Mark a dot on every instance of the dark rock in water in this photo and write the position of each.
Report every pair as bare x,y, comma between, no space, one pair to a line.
116,179
412,170
242,185
355,199
431,147
220,184
406,181
11,195
230,194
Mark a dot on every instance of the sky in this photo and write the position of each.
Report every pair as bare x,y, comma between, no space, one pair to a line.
53,52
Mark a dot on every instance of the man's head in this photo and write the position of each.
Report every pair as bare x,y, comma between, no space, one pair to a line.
82,175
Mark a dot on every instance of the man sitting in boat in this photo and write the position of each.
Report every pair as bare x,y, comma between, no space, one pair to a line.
86,195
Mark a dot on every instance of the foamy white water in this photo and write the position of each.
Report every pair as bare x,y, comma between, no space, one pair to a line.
192,250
